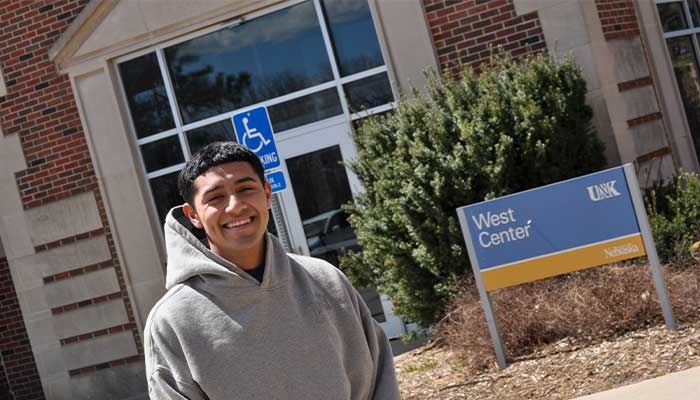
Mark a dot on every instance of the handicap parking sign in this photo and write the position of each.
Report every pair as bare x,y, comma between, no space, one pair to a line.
277,181
254,131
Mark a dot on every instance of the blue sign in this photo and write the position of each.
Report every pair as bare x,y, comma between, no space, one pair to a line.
554,229
254,131
276,180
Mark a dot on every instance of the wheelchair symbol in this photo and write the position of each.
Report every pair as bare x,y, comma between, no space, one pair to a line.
252,133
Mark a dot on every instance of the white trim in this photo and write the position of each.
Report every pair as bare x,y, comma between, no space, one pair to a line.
375,110
174,109
156,137
266,103
363,74
165,171
684,32
332,58
559,252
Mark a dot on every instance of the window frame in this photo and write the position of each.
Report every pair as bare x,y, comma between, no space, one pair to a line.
181,129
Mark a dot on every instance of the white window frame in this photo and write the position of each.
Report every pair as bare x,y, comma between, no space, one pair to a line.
180,128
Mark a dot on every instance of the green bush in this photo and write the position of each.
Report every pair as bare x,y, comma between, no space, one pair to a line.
513,127
674,216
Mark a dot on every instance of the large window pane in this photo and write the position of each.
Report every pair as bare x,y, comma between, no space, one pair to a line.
353,35
263,58
320,196
305,110
165,194
694,6
369,92
686,70
145,92
672,16
162,153
218,132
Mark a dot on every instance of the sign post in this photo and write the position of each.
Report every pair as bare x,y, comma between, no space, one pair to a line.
659,282
567,226
254,131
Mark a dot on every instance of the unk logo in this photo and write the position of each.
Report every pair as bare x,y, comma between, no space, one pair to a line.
602,191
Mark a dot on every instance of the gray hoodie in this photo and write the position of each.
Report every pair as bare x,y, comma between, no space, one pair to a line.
303,333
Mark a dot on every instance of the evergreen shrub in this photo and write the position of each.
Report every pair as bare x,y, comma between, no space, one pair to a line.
674,216
515,126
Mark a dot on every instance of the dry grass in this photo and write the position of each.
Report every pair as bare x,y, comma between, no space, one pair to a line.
586,307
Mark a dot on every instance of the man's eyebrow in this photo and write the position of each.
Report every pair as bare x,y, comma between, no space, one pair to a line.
211,189
245,179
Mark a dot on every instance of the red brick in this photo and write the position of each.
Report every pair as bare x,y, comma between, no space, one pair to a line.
21,376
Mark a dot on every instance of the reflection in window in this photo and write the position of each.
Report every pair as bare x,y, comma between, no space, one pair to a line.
165,194
305,110
145,93
694,6
369,92
162,153
218,132
685,67
263,58
320,196
353,35
672,16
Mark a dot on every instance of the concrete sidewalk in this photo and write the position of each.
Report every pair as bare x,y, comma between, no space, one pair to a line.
683,385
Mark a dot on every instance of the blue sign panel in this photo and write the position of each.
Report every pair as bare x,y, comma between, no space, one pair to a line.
567,215
276,180
253,130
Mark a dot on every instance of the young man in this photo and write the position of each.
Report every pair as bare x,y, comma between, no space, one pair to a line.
242,319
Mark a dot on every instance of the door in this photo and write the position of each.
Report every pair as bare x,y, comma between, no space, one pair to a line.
318,186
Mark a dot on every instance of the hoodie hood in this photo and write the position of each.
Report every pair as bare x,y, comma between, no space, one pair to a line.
189,256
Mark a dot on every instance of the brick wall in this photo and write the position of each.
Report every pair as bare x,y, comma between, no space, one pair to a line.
617,18
464,31
16,357
39,106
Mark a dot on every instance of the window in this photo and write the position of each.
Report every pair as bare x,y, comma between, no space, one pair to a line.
307,61
267,57
680,21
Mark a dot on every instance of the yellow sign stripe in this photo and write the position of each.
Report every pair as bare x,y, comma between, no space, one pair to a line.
562,263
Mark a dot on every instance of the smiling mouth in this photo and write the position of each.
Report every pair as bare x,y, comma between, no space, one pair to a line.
238,224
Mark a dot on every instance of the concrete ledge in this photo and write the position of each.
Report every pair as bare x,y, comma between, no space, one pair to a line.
629,59
90,319
99,350
82,287
64,218
74,255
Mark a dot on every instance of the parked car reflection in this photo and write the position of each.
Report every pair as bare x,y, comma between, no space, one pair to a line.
329,234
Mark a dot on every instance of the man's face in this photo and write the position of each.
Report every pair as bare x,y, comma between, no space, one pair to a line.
231,205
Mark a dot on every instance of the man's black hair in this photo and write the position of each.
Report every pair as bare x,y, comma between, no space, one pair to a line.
211,155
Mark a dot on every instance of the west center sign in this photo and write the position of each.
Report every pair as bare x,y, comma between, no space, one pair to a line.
555,229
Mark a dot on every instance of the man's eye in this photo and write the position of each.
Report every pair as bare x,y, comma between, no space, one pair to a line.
216,197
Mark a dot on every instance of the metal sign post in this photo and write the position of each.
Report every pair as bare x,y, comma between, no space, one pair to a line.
483,294
659,281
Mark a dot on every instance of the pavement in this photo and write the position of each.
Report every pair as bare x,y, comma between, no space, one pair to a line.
683,385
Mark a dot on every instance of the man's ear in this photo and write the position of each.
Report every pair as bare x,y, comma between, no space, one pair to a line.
190,212
268,193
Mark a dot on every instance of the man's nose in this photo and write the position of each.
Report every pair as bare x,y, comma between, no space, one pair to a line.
235,205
